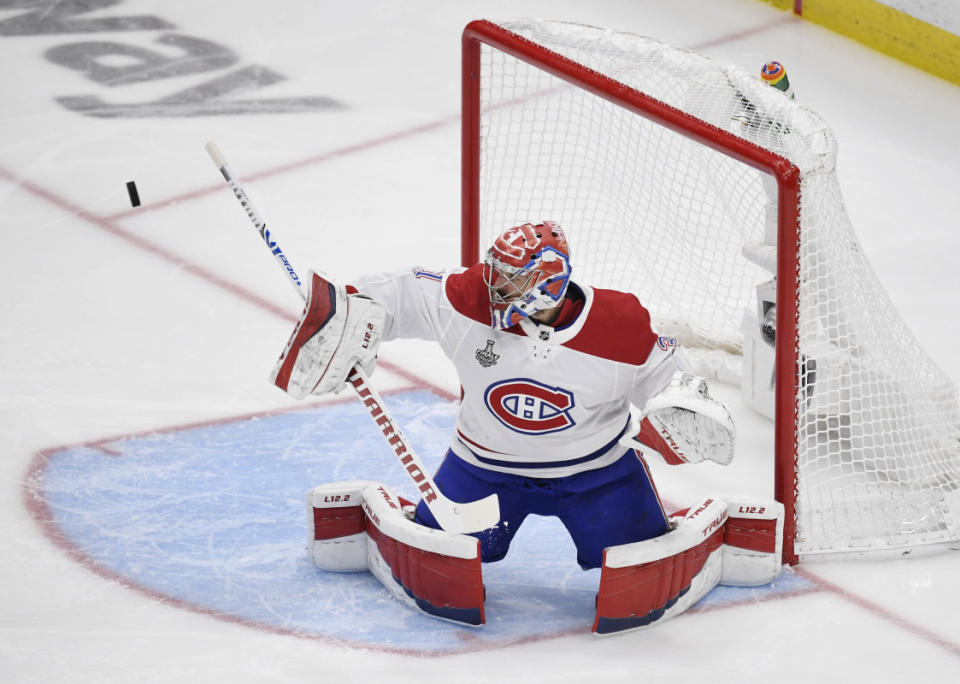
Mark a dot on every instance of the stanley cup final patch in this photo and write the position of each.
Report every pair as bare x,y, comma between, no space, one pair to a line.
486,357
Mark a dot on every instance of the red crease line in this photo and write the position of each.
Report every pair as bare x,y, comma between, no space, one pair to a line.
882,613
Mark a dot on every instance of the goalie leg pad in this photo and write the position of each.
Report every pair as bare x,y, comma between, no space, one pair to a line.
430,570
656,579
337,526
752,541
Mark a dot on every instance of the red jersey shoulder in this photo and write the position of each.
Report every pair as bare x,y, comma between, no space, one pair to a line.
467,294
617,328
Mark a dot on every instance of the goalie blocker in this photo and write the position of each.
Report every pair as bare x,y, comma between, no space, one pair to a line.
336,330
360,525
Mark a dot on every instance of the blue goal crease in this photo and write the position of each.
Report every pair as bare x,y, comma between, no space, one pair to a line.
214,516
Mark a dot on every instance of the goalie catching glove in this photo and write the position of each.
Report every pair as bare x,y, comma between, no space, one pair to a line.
685,424
336,331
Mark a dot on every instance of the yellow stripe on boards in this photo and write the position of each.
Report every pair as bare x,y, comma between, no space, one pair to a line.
782,4
886,30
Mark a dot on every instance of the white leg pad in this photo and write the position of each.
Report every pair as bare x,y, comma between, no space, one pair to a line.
361,525
752,541
733,540
655,579
336,525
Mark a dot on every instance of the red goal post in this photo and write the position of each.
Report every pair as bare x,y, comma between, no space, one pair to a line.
559,121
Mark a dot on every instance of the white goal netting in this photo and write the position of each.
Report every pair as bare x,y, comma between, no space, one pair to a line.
648,209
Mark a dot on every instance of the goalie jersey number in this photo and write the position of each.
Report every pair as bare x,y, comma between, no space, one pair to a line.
529,407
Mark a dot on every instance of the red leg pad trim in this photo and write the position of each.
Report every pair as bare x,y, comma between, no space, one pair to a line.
751,534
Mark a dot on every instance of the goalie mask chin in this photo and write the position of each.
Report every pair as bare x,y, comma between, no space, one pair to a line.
527,270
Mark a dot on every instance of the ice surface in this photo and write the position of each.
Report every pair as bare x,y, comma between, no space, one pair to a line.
153,481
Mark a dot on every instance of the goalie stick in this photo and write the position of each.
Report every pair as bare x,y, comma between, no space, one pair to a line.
460,518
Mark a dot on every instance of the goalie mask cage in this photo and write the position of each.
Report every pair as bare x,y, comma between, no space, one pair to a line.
664,169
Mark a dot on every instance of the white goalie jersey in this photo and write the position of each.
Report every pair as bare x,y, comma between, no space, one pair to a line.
537,401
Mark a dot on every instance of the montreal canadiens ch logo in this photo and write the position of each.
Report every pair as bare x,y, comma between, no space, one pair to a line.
527,406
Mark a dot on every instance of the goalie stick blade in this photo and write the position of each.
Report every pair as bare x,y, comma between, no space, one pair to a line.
464,518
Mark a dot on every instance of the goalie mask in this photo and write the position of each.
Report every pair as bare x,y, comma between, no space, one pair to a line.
527,270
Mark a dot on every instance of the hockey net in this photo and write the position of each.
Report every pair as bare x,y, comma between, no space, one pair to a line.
665,169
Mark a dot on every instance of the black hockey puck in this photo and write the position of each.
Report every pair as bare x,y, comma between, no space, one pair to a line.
134,195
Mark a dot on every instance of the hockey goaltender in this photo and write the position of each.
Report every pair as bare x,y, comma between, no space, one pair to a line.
549,370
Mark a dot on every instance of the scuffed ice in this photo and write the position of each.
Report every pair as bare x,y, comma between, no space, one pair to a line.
215,517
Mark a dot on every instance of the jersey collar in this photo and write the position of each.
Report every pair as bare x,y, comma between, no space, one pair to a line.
565,333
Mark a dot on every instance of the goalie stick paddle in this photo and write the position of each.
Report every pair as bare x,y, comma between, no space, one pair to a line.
459,518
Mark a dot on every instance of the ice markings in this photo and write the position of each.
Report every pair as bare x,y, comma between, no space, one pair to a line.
214,518
116,65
